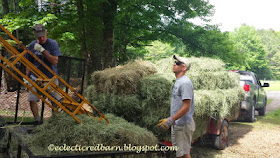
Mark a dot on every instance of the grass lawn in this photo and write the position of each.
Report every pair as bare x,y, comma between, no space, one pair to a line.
273,86
19,119
270,119
269,101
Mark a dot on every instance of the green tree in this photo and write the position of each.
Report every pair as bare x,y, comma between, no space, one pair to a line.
109,32
275,65
158,50
249,45
139,22
271,42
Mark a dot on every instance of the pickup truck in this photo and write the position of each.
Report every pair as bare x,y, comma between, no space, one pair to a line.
255,96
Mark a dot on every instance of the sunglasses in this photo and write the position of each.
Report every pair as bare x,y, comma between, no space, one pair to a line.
178,63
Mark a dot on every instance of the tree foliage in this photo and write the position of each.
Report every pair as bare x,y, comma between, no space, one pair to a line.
158,50
111,32
103,30
271,41
249,45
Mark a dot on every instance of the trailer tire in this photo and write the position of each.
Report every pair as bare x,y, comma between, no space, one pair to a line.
220,142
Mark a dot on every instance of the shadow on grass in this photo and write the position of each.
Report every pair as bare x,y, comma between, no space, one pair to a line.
19,119
237,130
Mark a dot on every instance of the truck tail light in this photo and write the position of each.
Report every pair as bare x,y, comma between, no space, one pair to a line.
246,87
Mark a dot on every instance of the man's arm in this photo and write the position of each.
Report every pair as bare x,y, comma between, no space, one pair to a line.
52,59
166,123
185,109
27,72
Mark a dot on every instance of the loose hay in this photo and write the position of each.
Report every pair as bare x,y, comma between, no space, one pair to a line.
61,129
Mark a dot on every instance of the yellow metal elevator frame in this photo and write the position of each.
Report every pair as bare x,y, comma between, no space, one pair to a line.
43,84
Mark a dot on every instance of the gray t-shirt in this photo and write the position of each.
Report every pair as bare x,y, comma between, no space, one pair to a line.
182,89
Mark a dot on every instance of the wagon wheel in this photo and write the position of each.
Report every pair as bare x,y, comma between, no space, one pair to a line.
221,141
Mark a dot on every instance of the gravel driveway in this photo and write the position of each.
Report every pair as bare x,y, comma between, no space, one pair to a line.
248,142
275,104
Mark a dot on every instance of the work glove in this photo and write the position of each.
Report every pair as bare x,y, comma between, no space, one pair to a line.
38,47
26,82
166,123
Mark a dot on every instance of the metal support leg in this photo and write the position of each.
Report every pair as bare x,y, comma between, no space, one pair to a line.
19,151
9,141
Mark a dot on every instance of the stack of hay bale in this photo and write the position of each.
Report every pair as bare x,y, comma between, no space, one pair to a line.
116,90
144,97
140,93
134,91
217,91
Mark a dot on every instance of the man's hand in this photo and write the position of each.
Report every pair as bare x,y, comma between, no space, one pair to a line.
26,82
166,123
38,47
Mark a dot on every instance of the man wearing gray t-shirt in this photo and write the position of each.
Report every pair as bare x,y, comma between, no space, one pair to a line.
182,109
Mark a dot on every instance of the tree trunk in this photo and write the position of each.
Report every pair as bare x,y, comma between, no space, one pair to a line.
5,6
54,6
94,35
109,12
124,56
15,10
84,52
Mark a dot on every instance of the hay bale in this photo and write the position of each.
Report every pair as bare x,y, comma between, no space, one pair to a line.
218,103
213,80
122,79
153,111
203,64
156,87
206,64
200,126
62,129
126,106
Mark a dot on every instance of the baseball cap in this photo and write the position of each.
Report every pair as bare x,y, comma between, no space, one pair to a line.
39,30
184,60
